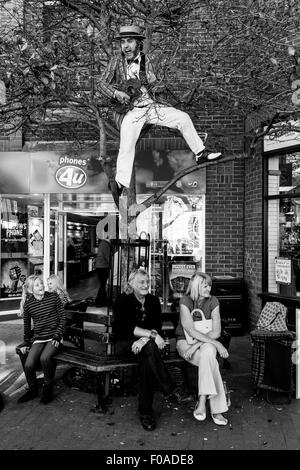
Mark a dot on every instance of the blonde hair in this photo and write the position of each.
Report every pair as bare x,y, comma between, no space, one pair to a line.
195,285
27,290
59,286
129,286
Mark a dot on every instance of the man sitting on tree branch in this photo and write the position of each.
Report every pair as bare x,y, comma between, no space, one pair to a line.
131,81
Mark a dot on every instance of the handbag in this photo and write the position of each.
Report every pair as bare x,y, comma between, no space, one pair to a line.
273,317
203,326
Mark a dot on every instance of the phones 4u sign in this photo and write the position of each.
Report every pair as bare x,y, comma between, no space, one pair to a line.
283,269
70,176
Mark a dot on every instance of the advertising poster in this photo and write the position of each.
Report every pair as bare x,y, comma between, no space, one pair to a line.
36,266
180,272
156,167
184,228
283,270
13,275
36,236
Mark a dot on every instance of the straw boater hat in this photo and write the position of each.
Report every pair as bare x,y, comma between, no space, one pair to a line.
130,32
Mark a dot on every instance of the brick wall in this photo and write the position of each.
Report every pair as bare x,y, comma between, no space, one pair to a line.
253,234
12,143
224,231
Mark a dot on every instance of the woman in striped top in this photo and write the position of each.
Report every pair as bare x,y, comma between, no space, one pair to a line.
47,312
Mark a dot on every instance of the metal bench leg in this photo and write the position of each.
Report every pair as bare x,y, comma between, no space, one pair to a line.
106,383
101,400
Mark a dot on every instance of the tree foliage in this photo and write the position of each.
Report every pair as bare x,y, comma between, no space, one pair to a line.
238,56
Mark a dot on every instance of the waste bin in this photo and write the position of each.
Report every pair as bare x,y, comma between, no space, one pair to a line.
231,295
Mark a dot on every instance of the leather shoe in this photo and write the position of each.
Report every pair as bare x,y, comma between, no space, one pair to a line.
30,395
114,187
148,422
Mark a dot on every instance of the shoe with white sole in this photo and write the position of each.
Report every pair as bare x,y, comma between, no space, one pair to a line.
206,156
199,416
219,422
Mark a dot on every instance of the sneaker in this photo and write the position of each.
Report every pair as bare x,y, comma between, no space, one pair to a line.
178,397
206,155
30,395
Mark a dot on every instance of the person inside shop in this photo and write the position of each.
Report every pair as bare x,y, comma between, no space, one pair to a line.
203,353
134,84
137,331
46,311
102,265
55,284
70,249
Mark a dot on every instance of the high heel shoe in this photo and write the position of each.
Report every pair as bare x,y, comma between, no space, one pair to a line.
218,421
199,416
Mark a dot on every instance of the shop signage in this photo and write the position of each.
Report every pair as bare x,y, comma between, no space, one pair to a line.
13,230
71,177
285,140
52,172
283,268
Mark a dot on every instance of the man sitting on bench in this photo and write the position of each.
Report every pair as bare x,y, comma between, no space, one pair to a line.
137,329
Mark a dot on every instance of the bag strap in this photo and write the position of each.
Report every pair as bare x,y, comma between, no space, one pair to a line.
272,321
201,313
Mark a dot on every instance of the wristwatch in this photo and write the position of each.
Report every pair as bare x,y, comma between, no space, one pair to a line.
153,334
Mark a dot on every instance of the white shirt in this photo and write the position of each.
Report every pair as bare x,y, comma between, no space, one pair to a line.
133,71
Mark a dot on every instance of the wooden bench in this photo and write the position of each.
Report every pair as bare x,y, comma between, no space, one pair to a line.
75,351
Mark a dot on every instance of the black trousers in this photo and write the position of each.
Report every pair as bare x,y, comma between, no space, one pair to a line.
40,354
152,371
101,299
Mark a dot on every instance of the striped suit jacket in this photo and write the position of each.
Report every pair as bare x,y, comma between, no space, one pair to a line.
115,74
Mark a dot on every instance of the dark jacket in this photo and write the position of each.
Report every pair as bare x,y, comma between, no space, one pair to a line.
103,255
128,314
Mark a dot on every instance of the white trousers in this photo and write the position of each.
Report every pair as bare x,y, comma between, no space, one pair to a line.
210,382
152,114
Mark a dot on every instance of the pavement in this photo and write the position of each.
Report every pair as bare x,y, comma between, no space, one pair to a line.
71,423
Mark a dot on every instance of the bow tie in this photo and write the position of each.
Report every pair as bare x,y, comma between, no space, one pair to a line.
135,61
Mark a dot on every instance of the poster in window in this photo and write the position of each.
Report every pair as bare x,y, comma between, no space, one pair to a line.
13,275
157,165
180,273
36,236
283,269
183,227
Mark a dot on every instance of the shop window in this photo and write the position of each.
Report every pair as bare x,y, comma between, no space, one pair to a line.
284,224
177,233
22,243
